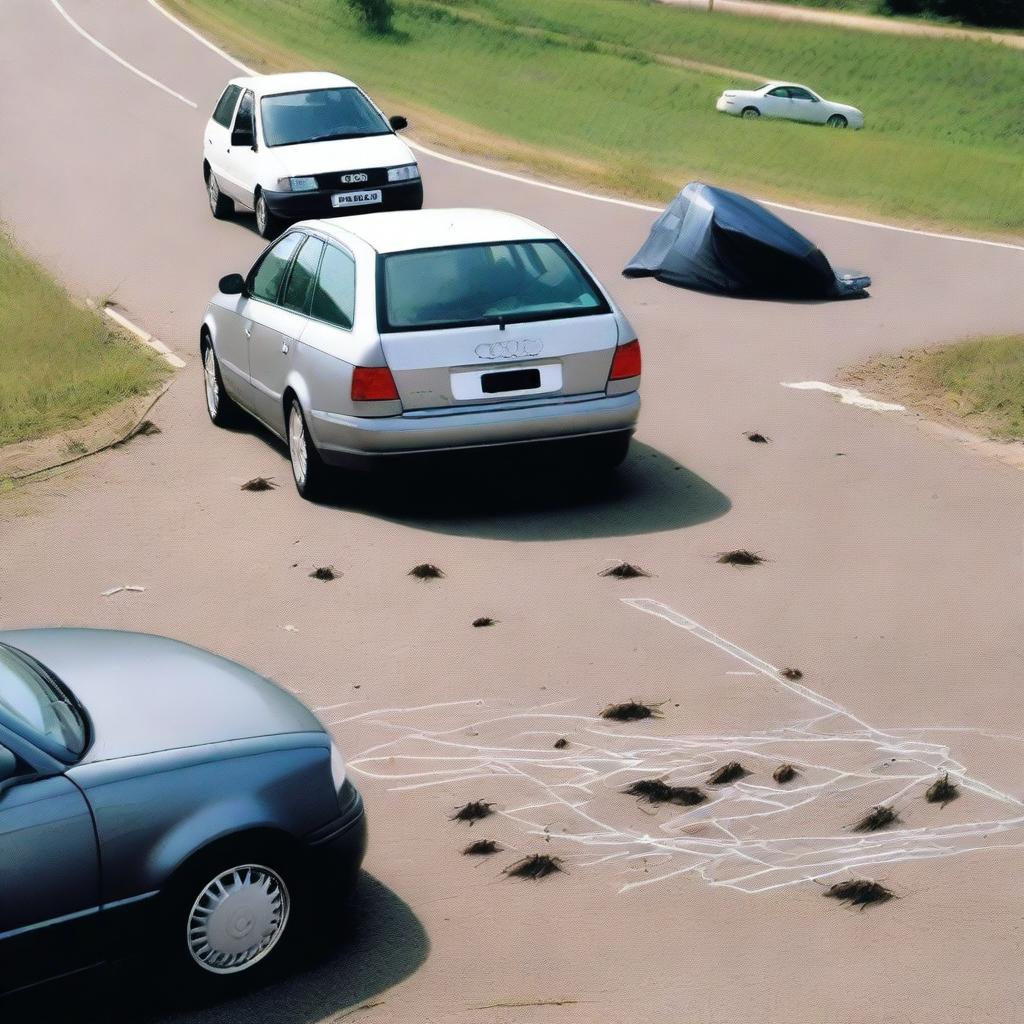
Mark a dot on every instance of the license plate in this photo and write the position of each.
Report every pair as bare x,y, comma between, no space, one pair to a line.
355,198
512,380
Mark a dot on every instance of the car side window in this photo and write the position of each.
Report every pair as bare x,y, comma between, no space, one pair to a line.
226,106
800,94
244,117
299,289
266,277
781,93
334,299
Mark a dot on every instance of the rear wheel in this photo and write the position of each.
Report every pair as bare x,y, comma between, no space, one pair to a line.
267,224
749,112
220,205
836,121
308,469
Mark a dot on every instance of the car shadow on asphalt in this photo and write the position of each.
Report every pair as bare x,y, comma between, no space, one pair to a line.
379,945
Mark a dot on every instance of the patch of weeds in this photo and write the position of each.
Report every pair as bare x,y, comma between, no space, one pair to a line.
473,811
146,428
753,435
740,556
536,866
561,743
484,620
727,773
878,817
859,891
631,711
426,571
791,673
624,571
941,791
784,773
657,791
325,573
259,483
482,848
75,447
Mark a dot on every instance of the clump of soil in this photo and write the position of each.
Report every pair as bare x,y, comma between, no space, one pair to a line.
484,620
426,571
630,711
727,773
859,891
792,673
741,556
482,848
624,571
753,435
325,573
657,791
878,817
536,866
259,483
561,743
784,773
941,791
473,811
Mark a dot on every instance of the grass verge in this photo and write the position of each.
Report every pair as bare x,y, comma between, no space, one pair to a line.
59,363
977,383
627,89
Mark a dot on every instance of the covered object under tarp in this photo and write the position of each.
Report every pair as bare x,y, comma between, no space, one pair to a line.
719,241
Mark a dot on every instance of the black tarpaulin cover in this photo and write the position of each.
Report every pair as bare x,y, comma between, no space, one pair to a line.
719,241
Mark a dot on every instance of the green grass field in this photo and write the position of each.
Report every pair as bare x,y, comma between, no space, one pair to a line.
942,148
59,363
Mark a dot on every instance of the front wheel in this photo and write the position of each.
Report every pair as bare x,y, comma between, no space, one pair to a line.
267,224
837,121
751,112
308,469
218,402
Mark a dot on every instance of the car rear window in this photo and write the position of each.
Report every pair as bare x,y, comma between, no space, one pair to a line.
319,116
467,285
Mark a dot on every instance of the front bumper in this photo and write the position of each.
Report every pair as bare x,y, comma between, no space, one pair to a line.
357,441
337,849
293,206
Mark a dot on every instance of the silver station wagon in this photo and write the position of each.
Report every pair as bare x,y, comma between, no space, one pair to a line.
366,341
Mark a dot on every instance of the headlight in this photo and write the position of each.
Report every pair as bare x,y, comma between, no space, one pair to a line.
307,184
337,767
407,172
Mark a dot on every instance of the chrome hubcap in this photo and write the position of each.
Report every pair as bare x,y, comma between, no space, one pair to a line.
237,919
297,445
212,387
261,214
213,191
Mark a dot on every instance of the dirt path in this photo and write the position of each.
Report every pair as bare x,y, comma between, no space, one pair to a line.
842,19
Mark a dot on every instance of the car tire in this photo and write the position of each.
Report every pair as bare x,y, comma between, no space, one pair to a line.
219,404
837,121
234,915
309,471
750,112
220,205
267,224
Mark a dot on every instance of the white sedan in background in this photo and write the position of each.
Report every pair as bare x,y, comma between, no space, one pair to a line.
790,101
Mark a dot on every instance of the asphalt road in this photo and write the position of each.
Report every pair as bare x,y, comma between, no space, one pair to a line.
893,580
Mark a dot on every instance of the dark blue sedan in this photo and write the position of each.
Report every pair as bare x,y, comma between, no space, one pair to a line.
153,795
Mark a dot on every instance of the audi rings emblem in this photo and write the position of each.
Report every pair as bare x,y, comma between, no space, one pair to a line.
512,349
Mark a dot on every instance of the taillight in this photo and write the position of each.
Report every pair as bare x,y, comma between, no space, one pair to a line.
626,362
373,384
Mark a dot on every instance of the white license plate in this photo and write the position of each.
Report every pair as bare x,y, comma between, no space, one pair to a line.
355,198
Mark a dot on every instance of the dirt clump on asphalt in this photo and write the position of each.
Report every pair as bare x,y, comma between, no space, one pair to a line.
426,571
941,791
325,573
784,773
473,811
792,673
878,817
631,711
535,866
482,848
657,791
727,773
740,556
259,483
859,891
624,571
757,438
484,620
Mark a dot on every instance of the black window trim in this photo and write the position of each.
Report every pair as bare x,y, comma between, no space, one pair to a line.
238,106
384,326
254,269
234,106
291,270
327,240
326,88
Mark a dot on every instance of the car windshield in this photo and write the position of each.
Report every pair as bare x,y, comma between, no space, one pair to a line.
468,285
319,116
37,701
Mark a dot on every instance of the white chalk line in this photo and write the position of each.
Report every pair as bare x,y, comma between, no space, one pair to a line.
120,60
593,196
847,396
730,850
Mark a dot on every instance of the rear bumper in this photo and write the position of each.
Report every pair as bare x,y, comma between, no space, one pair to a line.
292,206
360,441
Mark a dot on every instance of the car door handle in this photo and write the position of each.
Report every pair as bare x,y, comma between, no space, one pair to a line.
248,330
285,342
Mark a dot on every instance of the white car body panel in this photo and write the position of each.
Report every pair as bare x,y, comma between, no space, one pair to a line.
810,109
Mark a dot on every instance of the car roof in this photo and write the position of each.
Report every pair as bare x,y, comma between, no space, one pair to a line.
795,85
401,230
294,81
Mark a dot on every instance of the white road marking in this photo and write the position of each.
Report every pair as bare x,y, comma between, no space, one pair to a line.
592,195
120,60
848,396
147,339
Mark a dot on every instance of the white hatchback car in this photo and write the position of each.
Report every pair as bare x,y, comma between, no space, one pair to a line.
303,145
365,340
789,101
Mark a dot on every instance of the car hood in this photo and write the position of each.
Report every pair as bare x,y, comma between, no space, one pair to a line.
147,693
341,155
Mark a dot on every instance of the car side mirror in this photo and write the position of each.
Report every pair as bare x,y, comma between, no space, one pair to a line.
243,137
397,122
232,284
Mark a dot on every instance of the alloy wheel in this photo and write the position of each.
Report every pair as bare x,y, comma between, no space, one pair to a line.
212,387
297,445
